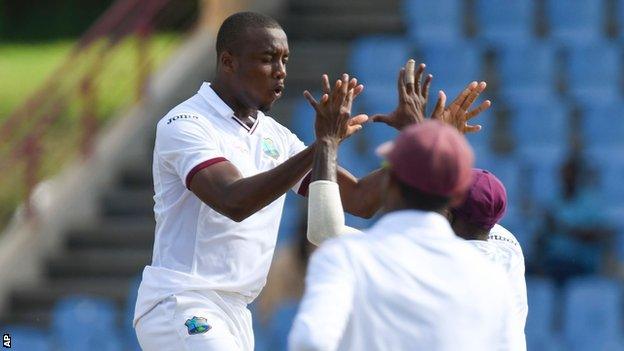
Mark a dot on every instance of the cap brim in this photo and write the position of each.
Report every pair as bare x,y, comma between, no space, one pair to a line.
384,149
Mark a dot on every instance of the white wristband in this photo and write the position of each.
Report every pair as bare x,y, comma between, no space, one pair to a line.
325,214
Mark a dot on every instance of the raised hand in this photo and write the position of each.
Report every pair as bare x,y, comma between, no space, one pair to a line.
333,110
457,114
413,95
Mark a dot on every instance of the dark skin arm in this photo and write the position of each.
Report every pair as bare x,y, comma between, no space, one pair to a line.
223,188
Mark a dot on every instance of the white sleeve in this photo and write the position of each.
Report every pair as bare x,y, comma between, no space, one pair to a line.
327,303
325,215
187,145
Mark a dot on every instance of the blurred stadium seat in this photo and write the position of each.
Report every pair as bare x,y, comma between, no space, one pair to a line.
440,21
576,21
85,323
604,61
453,66
280,323
527,71
543,164
540,124
302,120
539,329
609,163
128,334
593,310
292,218
602,127
376,60
379,98
28,338
502,21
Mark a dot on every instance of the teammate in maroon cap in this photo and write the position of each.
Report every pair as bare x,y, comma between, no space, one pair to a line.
410,283
476,220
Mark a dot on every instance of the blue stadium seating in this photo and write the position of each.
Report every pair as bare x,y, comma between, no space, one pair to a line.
609,163
576,21
603,127
440,21
25,338
543,165
540,125
594,73
453,67
541,294
128,333
593,311
280,323
302,120
527,71
352,159
85,323
378,98
502,21
292,218
376,60
620,18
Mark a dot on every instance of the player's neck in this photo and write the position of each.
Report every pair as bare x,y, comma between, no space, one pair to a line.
229,96
475,236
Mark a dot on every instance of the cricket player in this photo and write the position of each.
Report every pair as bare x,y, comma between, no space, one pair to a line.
408,283
221,168
476,220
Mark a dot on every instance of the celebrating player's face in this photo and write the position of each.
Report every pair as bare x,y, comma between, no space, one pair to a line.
262,67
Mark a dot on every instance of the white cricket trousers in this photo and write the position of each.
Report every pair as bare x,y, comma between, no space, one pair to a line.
165,327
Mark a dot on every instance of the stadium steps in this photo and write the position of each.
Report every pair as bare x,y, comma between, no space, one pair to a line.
98,262
341,19
128,202
126,233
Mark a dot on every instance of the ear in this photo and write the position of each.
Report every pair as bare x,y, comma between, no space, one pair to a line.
228,61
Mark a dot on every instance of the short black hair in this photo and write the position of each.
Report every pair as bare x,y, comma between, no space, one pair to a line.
421,200
237,24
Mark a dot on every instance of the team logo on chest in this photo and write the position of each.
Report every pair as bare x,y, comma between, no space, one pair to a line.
269,149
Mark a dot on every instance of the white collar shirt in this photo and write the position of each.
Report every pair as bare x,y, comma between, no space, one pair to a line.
195,247
503,249
408,283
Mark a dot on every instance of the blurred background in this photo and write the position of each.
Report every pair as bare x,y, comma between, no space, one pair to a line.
82,84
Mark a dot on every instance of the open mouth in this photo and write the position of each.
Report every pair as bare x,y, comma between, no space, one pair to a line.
278,90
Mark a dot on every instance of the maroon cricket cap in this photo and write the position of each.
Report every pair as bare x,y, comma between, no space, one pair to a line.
485,202
432,157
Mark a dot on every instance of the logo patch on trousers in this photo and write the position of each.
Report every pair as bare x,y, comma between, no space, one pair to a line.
197,325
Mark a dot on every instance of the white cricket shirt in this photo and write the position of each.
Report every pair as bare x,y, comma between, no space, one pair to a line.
503,249
409,284
195,247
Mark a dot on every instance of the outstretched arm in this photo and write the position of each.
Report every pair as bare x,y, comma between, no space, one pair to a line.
223,188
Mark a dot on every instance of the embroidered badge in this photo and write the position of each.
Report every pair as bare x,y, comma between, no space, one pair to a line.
197,325
269,148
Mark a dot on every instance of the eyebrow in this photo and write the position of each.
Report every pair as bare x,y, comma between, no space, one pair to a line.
273,50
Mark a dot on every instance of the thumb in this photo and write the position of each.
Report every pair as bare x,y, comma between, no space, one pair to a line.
381,118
